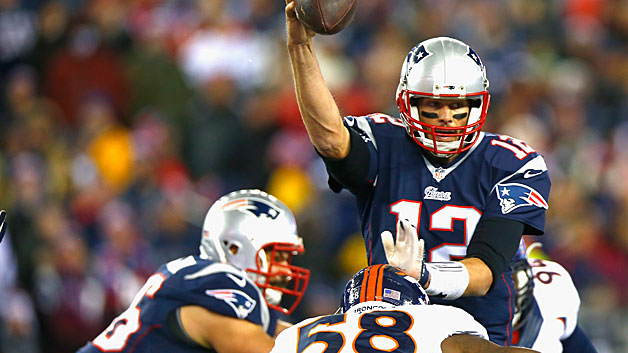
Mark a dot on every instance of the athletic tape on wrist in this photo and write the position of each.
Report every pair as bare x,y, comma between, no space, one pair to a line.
448,280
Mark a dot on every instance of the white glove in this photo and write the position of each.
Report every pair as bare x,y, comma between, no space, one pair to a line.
407,252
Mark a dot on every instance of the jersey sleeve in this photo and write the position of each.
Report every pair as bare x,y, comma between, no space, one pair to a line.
351,171
521,186
546,340
434,323
222,289
578,342
556,295
465,323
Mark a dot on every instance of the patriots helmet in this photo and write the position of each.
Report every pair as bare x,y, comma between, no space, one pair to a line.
524,286
257,233
443,68
385,283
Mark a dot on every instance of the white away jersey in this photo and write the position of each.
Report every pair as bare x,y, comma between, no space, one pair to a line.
555,309
379,326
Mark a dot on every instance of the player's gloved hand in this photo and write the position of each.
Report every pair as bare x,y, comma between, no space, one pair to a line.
3,223
407,252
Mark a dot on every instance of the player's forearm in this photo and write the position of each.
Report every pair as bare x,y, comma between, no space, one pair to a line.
317,106
281,325
480,277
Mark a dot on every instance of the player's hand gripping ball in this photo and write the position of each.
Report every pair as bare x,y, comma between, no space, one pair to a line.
325,16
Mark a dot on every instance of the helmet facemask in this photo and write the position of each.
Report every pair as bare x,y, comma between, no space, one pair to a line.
443,68
281,283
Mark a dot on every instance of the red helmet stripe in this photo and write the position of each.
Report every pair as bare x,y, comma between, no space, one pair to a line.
235,204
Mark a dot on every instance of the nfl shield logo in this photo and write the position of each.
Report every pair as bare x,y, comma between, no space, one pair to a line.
439,174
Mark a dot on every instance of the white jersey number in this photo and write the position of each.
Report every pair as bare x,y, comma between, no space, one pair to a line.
518,147
116,336
441,220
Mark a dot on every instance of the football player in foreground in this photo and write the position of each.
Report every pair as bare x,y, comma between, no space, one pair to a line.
471,194
546,315
385,309
219,300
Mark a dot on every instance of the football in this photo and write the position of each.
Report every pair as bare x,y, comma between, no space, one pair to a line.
325,16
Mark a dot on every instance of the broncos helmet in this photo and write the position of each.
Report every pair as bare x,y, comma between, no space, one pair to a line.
524,287
384,283
247,229
449,69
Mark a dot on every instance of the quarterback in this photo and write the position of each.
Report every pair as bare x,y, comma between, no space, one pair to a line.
470,194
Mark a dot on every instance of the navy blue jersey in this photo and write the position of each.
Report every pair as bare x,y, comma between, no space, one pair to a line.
498,177
218,287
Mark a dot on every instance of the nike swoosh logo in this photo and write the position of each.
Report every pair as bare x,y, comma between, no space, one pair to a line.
239,281
530,174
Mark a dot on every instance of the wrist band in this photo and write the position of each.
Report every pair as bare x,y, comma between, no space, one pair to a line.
448,280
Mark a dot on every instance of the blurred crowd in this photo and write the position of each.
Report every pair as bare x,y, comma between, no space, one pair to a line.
121,121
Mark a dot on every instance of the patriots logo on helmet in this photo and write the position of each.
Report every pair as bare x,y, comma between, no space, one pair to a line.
258,208
417,54
473,55
239,301
515,195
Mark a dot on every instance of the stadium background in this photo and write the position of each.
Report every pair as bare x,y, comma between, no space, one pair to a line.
122,121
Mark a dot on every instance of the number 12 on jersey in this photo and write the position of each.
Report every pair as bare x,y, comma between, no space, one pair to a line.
441,220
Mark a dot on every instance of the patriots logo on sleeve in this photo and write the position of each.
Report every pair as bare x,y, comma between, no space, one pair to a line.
239,301
255,207
514,195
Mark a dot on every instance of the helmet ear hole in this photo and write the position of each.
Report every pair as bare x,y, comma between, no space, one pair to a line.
233,249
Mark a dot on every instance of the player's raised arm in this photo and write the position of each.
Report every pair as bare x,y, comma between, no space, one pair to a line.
317,106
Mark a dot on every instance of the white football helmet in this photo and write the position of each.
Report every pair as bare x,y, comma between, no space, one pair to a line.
443,68
242,228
